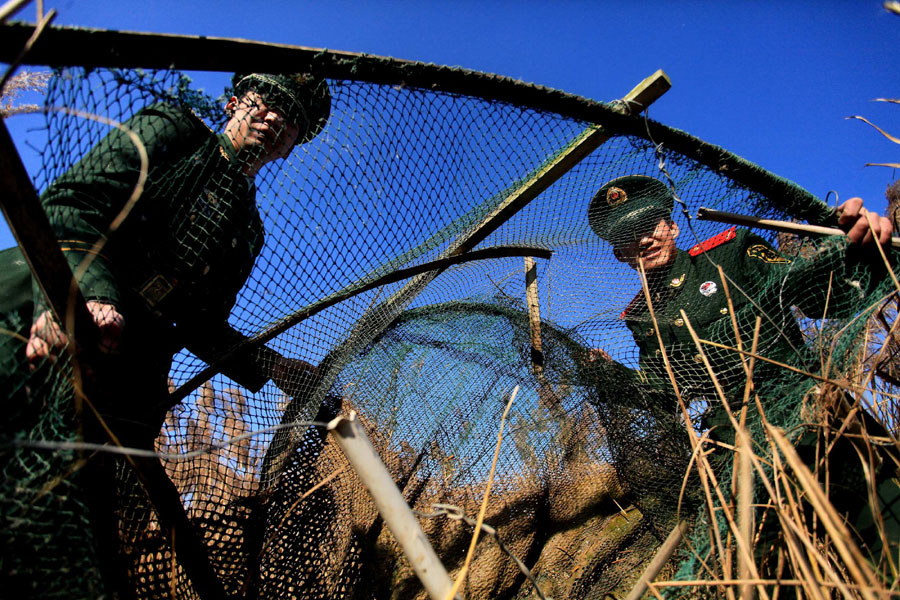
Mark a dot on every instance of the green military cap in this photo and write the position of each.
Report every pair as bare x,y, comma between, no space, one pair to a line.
626,206
304,98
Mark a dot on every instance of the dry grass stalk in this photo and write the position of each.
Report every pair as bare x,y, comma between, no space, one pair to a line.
744,441
21,83
462,575
840,535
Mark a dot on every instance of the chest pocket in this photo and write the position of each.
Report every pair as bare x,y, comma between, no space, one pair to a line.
704,301
207,234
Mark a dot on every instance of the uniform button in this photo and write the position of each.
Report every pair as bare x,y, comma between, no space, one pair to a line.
724,311
649,332
679,322
658,353
234,242
698,358
206,269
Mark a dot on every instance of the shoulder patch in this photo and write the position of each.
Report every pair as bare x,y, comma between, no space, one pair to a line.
200,119
714,241
766,254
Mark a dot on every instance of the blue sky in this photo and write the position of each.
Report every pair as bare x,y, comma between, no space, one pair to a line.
770,81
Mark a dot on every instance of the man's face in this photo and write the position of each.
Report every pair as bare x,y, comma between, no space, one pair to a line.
259,131
656,246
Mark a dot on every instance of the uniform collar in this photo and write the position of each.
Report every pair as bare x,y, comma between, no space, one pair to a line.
679,269
228,151
226,146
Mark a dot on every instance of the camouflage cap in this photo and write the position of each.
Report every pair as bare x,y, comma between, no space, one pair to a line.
304,98
626,206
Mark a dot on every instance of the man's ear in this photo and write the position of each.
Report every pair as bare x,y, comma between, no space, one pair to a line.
618,254
232,104
675,229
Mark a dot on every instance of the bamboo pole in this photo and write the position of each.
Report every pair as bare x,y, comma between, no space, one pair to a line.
534,317
349,434
709,214
346,293
643,94
662,556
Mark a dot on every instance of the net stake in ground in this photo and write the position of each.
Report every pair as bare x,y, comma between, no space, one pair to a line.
349,434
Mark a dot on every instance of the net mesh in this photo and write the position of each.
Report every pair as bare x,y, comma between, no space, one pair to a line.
597,464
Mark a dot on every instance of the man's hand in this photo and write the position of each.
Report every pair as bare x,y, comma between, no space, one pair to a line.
47,337
293,376
597,354
852,219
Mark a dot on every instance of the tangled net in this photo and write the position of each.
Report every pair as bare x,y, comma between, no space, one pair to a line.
589,479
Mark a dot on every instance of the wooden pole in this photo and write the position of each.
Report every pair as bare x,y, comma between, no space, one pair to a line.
34,235
33,232
12,7
348,292
643,94
534,317
392,506
662,556
709,214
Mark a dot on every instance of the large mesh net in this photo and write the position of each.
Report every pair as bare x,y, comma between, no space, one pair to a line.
258,308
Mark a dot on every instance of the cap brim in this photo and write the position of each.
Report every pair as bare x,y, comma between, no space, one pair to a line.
631,225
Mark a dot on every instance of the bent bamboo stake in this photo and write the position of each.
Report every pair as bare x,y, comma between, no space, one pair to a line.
392,506
663,555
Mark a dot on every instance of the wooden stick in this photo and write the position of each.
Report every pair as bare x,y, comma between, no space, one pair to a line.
127,49
534,316
392,506
645,93
662,556
10,9
32,230
709,214
348,292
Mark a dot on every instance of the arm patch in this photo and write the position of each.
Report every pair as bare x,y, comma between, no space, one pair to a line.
766,254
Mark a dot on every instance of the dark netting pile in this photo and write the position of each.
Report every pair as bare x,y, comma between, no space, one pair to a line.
280,313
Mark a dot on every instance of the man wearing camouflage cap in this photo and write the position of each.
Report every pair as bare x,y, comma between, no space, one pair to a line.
634,214
166,277
169,276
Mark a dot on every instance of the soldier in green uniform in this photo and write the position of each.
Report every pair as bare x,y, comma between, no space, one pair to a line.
633,213
168,277
159,271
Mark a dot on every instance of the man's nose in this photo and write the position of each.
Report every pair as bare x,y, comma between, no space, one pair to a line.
274,117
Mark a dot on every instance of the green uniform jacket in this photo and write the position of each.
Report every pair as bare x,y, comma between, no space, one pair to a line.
182,253
760,282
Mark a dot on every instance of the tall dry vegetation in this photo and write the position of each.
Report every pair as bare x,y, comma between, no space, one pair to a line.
24,82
